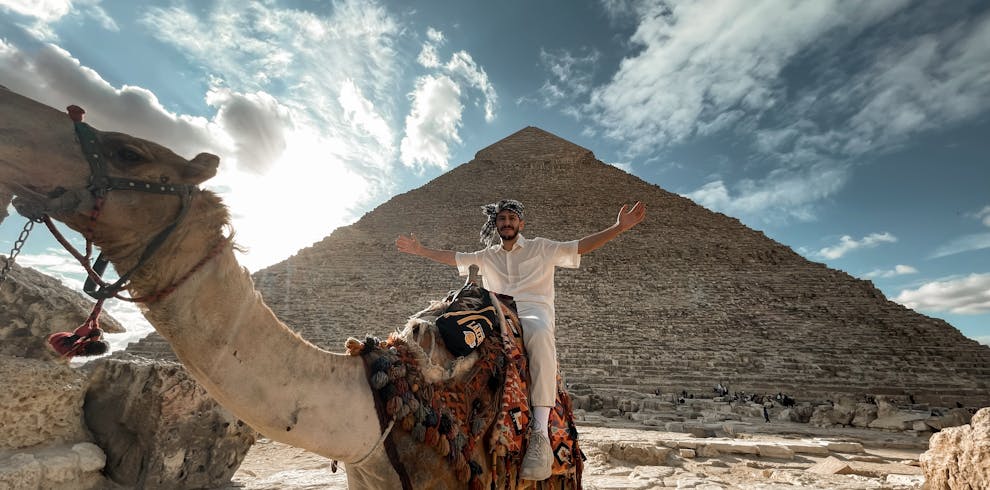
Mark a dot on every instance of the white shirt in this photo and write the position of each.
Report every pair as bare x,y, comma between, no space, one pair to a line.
526,272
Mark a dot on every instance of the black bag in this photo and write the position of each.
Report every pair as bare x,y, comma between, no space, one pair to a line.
464,331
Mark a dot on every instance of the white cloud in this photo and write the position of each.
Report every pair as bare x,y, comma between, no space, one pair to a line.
571,76
983,215
428,56
983,339
434,35
52,76
433,122
966,243
785,191
701,68
699,60
969,295
362,113
255,123
43,10
48,12
898,270
461,65
847,244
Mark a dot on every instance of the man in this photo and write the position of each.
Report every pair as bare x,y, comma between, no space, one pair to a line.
524,269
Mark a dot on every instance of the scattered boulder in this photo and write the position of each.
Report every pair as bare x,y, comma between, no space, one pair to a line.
864,415
889,416
637,453
959,457
160,429
953,418
831,466
800,414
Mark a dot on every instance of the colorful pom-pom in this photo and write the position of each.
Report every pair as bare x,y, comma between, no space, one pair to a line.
443,446
353,346
432,437
381,364
401,386
394,405
378,380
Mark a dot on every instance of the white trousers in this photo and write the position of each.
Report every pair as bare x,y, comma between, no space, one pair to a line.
541,346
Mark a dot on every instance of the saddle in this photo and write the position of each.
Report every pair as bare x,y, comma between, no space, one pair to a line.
474,422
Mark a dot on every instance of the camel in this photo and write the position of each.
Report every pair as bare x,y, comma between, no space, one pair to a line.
251,363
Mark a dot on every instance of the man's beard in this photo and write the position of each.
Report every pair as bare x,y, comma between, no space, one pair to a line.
507,233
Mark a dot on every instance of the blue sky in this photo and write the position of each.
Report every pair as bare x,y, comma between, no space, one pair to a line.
856,133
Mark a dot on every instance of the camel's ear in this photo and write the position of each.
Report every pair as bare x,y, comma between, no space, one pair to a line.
201,168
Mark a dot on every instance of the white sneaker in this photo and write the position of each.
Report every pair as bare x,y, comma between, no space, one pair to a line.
538,462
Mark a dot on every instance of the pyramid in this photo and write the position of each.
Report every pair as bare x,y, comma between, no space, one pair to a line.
688,299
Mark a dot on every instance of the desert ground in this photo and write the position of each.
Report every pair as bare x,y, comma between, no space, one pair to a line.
622,454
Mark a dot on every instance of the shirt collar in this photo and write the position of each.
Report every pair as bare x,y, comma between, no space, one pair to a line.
520,243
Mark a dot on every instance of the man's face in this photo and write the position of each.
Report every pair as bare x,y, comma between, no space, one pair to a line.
508,224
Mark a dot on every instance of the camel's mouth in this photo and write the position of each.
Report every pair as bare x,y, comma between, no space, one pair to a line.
34,205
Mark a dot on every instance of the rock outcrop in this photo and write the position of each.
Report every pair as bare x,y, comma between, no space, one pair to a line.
959,457
43,441
33,305
159,428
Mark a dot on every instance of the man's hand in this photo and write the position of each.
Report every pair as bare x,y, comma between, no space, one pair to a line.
629,218
409,244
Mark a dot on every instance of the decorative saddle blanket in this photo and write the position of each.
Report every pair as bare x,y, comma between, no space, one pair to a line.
476,420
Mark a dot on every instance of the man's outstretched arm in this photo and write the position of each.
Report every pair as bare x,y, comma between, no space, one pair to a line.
410,245
627,218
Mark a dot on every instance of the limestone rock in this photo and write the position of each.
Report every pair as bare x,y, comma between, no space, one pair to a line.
33,305
831,466
959,457
844,447
160,429
801,414
59,467
775,451
889,416
41,403
953,418
865,414
637,453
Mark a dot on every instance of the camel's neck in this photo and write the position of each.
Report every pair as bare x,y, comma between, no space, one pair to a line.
262,372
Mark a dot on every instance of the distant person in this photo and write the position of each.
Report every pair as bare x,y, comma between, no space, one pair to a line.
524,269
766,414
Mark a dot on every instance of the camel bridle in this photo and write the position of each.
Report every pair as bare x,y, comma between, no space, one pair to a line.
100,184
86,340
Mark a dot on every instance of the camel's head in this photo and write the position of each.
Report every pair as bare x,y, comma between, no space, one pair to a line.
42,162
421,330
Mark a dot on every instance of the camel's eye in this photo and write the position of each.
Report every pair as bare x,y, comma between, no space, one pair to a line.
130,154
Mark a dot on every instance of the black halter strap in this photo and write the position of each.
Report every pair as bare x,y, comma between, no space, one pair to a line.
100,183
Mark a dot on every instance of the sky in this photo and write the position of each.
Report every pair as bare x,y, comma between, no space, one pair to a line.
856,133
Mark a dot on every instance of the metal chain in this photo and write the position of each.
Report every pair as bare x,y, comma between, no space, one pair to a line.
18,244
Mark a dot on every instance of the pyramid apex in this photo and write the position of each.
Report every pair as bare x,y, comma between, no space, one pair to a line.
534,144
